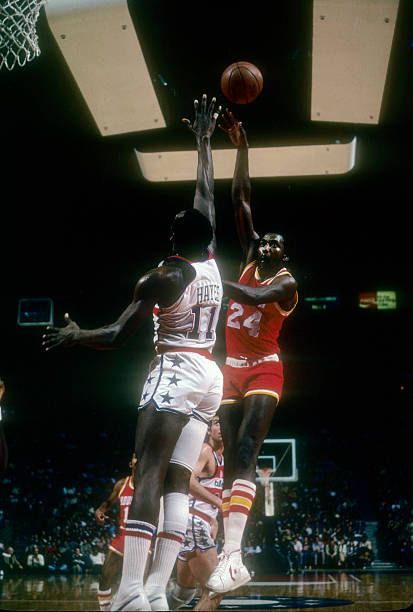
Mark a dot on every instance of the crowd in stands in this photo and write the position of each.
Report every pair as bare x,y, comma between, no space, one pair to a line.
47,524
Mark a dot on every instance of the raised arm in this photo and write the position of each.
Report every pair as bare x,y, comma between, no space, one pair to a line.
241,187
203,127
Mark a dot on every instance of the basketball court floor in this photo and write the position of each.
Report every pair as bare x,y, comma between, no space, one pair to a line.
339,591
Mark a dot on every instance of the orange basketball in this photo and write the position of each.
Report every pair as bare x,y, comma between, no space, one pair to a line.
241,82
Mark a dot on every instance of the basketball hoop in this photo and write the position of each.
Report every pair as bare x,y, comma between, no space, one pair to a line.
18,36
264,475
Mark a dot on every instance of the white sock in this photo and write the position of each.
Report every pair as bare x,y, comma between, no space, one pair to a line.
168,542
242,497
138,537
104,599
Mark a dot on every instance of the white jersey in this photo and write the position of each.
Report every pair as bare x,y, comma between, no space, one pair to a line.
192,320
214,484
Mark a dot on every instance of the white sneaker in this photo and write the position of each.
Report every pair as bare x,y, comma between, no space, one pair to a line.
136,601
157,599
229,574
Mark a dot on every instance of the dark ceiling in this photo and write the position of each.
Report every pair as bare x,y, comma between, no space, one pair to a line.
82,195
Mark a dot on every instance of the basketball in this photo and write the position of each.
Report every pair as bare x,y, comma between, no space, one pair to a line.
241,82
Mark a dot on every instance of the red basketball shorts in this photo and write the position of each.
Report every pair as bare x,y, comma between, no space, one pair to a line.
266,378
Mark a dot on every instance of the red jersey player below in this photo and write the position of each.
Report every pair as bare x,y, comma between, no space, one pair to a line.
253,371
122,494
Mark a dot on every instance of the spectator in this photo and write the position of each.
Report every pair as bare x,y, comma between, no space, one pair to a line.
342,553
11,563
97,559
35,560
331,551
79,562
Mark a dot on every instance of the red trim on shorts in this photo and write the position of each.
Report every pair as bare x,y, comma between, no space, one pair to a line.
185,349
170,536
201,515
236,508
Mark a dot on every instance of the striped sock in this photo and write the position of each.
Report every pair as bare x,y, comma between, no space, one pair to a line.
138,537
226,498
242,497
168,541
104,599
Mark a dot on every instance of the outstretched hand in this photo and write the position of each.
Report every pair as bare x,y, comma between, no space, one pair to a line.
205,119
61,336
234,128
100,516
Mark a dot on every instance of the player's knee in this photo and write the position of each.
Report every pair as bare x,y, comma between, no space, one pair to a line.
177,479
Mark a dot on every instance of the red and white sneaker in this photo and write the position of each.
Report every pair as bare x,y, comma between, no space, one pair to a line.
229,574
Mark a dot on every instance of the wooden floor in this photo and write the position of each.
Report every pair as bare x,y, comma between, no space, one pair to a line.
345,591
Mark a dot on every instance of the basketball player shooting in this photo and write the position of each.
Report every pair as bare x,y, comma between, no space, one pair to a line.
253,371
183,389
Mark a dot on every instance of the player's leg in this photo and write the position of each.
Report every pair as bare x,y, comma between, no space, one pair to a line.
184,588
175,501
258,412
111,570
156,436
230,418
202,564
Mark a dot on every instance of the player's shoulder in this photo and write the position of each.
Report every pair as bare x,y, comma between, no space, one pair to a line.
166,278
119,484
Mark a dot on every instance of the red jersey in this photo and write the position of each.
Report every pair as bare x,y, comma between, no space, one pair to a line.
125,500
252,331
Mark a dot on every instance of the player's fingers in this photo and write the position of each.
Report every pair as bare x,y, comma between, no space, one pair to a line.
204,103
186,121
217,113
212,106
196,103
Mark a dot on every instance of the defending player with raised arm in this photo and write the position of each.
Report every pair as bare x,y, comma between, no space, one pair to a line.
121,494
183,388
253,371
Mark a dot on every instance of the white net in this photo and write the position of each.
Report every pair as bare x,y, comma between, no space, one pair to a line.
18,37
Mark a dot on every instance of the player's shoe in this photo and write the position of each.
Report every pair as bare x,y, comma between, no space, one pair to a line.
229,574
157,599
136,601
